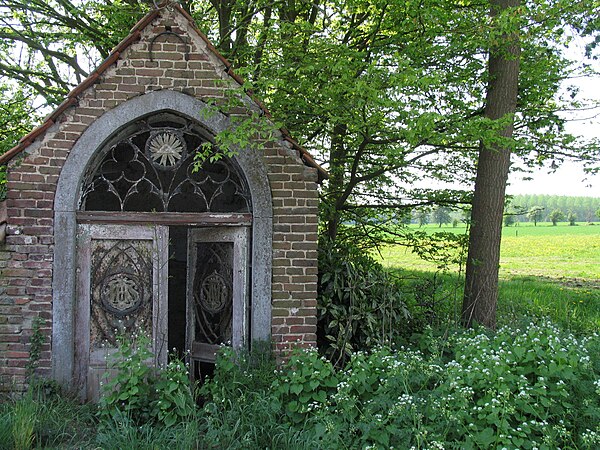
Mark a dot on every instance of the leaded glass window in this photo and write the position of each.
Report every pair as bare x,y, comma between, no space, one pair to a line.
149,166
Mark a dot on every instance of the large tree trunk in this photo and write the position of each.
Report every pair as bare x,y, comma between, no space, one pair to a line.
481,283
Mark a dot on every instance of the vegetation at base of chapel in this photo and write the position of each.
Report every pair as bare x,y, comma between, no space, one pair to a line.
460,389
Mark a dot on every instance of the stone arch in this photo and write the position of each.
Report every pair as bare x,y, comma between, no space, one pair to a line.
66,205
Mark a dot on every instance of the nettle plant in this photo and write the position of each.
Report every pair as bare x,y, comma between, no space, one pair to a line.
142,393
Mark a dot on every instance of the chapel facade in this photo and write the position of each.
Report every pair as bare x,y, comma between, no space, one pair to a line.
113,227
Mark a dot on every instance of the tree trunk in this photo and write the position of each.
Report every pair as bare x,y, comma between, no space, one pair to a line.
481,283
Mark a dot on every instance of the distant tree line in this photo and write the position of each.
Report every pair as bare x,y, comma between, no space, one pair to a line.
439,215
552,208
519,208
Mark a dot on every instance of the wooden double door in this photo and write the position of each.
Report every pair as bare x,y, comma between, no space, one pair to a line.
184,287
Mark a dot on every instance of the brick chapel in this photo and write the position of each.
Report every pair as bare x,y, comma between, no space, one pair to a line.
108,229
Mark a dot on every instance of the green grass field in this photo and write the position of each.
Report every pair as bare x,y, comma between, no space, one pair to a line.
544,270
556,252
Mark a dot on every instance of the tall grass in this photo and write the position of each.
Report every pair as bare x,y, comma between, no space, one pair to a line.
44,418
23,423
123,433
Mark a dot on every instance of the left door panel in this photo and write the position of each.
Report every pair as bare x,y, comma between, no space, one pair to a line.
122,290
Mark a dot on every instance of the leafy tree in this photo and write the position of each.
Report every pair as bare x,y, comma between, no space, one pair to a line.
598,213
513,46
423,217
404,218
17,115
584,208
571,217
481,280
509,219
536,214
441,215
556,216
383,92
48,46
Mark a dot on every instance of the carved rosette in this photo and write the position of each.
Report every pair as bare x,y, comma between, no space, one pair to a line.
165,149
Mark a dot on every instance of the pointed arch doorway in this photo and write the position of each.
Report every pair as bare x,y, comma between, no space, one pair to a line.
163,248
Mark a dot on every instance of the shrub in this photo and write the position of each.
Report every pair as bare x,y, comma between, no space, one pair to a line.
360,305
531,387
305,383
523,387
377,402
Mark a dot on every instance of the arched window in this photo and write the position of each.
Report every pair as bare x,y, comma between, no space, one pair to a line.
151,165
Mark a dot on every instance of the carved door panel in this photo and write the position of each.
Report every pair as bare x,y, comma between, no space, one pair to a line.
122,291
217,291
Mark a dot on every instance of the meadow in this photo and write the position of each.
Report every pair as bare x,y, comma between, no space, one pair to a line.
557,252
545,270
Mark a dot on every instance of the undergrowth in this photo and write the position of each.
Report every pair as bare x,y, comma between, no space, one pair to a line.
532,385
527,387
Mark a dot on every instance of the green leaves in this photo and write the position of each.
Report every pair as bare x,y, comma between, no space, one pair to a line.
469,389
145,394
359,304
383,94
306,385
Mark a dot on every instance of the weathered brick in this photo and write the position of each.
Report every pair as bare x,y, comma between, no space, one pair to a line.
15,272
304,245
308,329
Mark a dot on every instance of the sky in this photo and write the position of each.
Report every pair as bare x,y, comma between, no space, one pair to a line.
569,179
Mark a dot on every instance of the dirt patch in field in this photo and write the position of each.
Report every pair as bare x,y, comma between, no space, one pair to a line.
579,283
573,283
568,282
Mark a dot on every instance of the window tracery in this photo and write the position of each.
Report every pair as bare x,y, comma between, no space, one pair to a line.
151,167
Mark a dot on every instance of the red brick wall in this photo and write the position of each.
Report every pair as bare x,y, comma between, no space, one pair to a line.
26,257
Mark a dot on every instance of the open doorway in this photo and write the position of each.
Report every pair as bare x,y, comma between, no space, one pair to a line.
208,293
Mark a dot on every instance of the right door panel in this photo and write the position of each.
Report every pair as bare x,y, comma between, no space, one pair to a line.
217,291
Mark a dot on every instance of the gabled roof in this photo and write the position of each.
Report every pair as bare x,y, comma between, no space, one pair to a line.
134,36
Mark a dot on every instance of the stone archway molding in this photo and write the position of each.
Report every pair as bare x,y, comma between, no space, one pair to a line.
66,205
